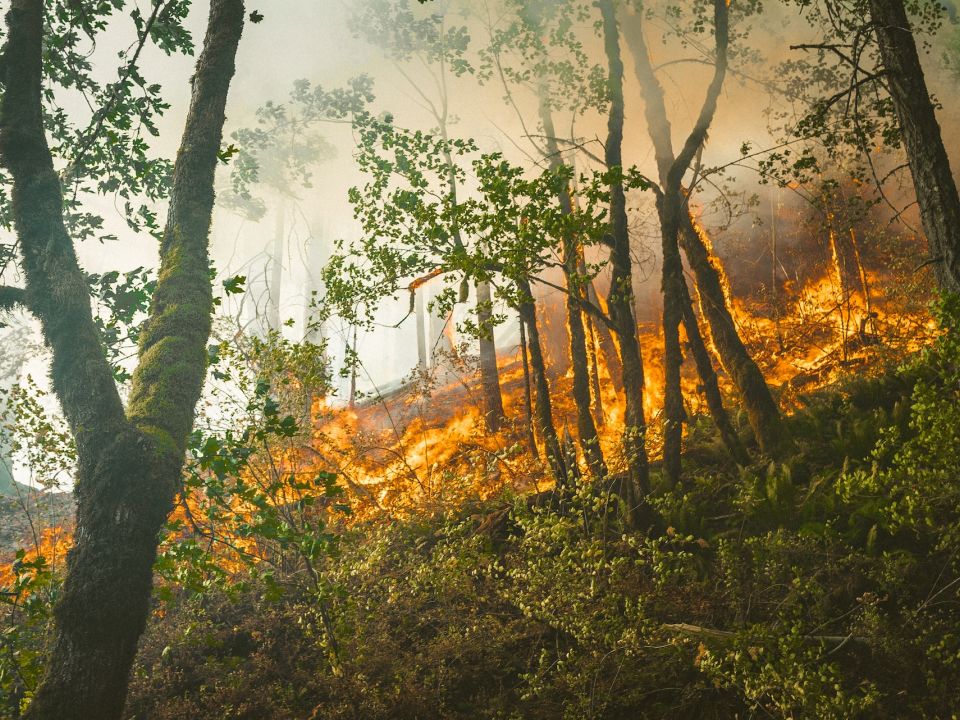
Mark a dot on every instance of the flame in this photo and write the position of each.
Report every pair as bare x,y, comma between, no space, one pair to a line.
425,448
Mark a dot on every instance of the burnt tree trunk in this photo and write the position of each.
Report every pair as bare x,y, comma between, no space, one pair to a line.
762,411
932,178
542,405
129,463
489,372
586,428
608,348
620,300
593,334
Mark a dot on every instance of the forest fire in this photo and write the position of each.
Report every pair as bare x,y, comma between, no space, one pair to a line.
428,445
572,359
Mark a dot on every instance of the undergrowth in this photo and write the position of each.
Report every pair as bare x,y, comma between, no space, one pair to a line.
825,586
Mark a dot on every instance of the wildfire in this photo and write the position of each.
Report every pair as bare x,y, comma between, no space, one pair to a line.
426,446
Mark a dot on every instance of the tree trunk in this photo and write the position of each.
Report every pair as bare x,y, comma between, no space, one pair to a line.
489,373
590,323
608,349
586,428
542,404
709,383
275,278
932,178
749,381
128,463
596,393
762,411
670,207
620,300
421,329
527,392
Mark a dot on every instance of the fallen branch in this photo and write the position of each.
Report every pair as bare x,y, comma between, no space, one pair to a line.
688,629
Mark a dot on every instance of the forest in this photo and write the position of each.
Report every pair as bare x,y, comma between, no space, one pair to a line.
479,359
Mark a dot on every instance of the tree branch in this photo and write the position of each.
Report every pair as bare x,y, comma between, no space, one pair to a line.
55,287
687,629
698,135
168,380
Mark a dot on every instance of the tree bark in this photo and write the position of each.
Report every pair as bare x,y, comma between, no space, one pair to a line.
762,411
128,462
586,428
932,177
489,373
542,405
593,343
620,299
608,349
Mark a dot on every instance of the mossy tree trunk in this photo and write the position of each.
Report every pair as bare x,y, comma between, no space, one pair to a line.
129,461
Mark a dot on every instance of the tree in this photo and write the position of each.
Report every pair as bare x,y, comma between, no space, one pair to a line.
920,132
279,155
620,300
404,35
678,227
866,92
129,459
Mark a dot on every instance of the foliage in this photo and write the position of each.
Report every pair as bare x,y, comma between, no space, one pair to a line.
280,152
504,224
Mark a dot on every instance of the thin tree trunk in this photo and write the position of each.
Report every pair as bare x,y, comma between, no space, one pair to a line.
489,373
670,207
420,311
708,380
527,392
762,411
596,396
542,404
352,353
868,315
608,349
842,292
276,269
586,429
929,163
128,463
620,300
593,358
